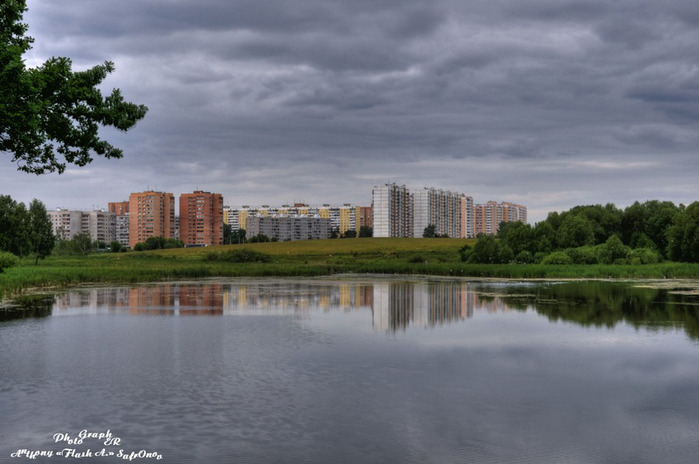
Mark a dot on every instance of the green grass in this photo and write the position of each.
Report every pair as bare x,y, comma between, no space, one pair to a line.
306,258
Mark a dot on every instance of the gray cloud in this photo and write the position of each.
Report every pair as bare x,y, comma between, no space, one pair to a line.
261,100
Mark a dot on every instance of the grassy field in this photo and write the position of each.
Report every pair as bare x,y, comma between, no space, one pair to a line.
305,258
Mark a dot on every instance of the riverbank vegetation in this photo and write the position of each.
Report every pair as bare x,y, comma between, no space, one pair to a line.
421,256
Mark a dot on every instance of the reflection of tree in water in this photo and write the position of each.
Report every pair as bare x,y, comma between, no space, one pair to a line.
26,306
605,304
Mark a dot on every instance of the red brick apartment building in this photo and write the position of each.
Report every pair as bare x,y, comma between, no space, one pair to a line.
121,208
201,218
151,214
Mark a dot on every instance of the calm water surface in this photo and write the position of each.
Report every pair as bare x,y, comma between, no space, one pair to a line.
362,370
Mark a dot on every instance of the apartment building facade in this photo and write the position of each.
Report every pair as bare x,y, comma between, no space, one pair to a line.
467,225
398,212
489,216
393,211
365,217
340,218
99,225
121,209
440,208
289,228
201,218
151,214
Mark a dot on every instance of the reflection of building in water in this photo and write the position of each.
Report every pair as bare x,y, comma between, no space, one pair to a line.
398,305
296,297
151,300
159,299
447,302
201,299
394,305
94,299
424,304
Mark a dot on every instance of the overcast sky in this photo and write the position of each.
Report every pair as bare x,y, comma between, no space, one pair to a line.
547,103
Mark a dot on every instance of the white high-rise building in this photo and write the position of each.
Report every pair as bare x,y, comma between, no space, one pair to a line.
467,224
440,208
100,225
393,211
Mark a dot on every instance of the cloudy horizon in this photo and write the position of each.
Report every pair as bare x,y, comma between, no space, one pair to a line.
546,103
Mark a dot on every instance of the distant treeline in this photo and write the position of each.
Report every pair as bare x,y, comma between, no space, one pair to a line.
643,233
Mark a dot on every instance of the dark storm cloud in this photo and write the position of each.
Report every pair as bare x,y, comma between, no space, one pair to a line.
441,93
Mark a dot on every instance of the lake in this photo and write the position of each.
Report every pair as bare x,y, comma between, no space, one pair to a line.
354,370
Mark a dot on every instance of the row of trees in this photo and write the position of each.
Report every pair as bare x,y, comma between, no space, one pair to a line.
154,243
25,231
364,232
231,236
431,232
598,234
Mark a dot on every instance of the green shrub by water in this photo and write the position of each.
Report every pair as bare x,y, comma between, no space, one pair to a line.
7,260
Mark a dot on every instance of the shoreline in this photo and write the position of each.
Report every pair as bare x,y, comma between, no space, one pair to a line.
688,286
350,258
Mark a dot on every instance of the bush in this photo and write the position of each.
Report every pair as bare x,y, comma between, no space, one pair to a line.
583,255
488,250
259,238
644,256
613,251
7,260
238,256
504,254
524,257
465,252
557,257
173,243
158,243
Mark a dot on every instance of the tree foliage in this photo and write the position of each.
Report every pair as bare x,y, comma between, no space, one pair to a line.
231,236
613,251
244,255
643,233
259,238
50,116
158,243
557,257
487,250
13,226
83,244
575,231
7,260
24,232
430,231
683,235
41,238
